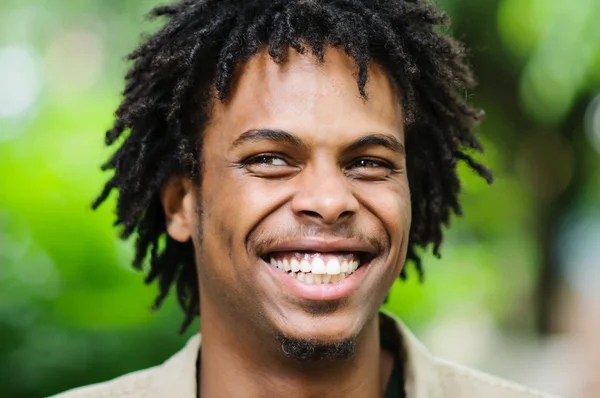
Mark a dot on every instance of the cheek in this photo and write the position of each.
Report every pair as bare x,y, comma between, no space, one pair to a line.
390,203
218,210
400,220
232,205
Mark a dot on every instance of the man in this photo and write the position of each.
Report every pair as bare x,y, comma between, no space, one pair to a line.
284,159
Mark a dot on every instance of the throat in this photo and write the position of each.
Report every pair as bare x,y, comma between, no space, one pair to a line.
224,371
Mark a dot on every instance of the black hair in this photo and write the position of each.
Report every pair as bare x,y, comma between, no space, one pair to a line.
169,91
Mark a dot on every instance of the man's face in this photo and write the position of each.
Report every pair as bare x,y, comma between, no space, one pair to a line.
299,171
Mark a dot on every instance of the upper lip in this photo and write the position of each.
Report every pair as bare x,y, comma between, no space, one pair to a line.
322,246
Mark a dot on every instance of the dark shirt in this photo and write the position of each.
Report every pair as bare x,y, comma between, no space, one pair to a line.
395,387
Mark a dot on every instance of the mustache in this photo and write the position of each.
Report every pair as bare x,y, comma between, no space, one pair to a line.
260,241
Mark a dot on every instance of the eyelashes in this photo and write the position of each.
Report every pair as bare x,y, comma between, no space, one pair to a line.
371,163
266,159
278,165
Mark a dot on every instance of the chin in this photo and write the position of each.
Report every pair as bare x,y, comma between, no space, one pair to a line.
327,327
317,346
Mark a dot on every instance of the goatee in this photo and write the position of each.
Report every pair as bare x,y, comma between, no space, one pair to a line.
314,350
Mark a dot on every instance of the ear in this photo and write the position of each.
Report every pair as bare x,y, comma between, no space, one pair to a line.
177,197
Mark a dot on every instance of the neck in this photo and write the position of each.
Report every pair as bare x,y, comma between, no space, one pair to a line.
236,363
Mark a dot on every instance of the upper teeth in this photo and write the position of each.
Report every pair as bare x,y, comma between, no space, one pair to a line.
329,264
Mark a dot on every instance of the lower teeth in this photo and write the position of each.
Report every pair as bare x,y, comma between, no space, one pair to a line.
319,278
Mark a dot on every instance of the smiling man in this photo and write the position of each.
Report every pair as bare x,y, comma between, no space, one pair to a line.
281,162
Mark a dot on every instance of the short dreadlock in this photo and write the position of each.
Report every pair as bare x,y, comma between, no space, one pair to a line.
168,95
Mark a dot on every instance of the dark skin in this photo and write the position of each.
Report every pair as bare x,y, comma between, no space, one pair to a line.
303,180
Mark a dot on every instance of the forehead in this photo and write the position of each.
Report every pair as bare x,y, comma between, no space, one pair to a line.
304,96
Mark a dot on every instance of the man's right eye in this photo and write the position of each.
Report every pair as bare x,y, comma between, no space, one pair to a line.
270,160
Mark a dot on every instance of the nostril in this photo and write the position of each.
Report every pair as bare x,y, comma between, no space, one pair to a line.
315,214
346,214
310,213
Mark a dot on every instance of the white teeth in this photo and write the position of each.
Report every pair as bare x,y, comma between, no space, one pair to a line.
305,266
286,265
295,265
333,267
318,266
313,270
344,266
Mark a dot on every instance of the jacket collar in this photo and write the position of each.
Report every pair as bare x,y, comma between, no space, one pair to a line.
177,376
420,373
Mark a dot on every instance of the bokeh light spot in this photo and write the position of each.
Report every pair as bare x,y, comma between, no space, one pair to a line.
75,60
19,82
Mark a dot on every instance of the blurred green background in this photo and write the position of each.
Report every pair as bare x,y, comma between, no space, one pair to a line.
517,272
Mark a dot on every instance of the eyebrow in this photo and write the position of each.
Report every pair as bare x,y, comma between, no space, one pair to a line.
385,140
376,139
256,135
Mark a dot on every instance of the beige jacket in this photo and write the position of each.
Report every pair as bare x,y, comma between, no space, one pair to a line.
425,377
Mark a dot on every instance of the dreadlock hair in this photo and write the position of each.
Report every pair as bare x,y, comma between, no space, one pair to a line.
167,102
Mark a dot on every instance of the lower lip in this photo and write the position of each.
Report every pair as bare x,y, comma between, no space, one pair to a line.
322,291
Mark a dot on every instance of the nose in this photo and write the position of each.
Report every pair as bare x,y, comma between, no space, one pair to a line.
325,195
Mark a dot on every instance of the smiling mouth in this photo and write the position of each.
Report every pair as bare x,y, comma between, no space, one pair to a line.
317,267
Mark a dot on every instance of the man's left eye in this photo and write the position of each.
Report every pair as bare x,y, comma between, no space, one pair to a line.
369,164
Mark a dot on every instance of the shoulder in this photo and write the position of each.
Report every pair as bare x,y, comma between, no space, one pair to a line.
131,385
467,382
176,377
427,376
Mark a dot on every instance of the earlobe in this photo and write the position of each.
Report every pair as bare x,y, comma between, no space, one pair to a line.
177,199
